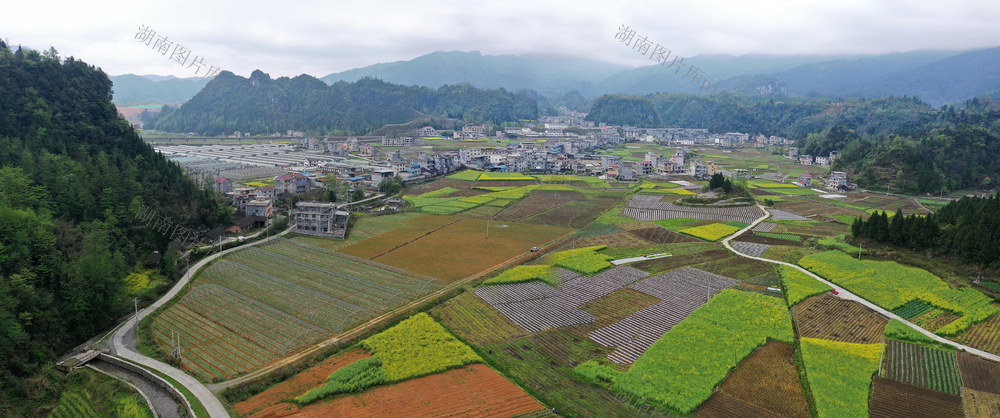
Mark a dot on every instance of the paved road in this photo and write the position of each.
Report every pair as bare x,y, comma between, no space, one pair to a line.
123,344
162,402
845,294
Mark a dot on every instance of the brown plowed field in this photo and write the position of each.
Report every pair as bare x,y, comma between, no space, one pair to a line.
769,380
830,318
474,390
984,335
894,399
661,235
621,239
978,373
721,405
298,384
452,248
535,203
758,239
461,185
979,404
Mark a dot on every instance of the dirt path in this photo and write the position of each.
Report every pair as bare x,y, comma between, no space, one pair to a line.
845,294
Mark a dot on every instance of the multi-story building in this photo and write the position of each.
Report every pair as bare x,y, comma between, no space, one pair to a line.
223,185
323,219
291,184
262,208
712,167
698,170
837,180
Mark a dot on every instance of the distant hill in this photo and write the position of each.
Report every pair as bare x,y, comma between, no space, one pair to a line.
936,76
549,75
261,105
947,80
846,75
130,89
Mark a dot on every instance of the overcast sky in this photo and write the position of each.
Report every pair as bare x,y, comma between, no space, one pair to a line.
291,37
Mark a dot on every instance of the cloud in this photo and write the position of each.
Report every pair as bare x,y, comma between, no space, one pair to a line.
314,37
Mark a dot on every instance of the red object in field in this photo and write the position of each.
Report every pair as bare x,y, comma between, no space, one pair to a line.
835,291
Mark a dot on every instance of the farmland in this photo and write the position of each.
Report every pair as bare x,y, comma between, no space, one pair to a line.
732,322
978,373
840,375
429,245
799,285
831,318
892,398
921,366
891,286
417,346
264,302
696,332
769,380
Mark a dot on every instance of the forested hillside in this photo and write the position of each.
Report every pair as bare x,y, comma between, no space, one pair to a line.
261,105
73,179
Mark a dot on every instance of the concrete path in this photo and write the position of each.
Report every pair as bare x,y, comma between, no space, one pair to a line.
123,343
845,294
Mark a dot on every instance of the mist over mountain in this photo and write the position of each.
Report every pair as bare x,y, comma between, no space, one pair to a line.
155,89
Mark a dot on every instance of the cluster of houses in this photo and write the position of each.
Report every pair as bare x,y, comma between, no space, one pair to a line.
793,153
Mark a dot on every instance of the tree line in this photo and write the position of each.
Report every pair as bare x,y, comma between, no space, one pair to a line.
74,178
967,228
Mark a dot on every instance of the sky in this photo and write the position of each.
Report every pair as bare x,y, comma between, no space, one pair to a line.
292,37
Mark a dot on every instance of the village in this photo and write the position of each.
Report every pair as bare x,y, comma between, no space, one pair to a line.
260,177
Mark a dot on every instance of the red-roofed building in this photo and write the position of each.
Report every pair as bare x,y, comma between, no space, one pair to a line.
291,184
223,185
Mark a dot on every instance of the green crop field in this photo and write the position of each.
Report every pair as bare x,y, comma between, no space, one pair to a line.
891,286
682,368
840,375
798,285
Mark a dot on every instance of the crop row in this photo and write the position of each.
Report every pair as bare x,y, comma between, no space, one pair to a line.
535,306
922,366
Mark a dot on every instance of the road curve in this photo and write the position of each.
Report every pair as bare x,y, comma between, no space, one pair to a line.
211,403
845,294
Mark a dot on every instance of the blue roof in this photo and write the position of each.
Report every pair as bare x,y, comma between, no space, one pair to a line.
356,178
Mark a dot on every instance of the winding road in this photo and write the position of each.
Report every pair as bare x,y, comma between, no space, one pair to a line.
847,295
123,338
